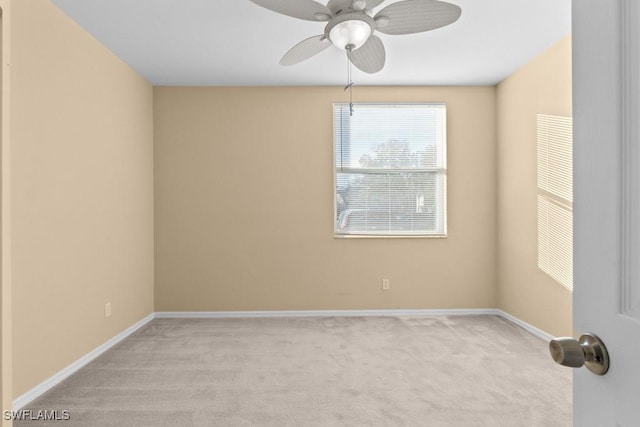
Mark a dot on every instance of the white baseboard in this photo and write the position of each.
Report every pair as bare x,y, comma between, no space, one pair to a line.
323,313
46,385
65,373
526,326
354,313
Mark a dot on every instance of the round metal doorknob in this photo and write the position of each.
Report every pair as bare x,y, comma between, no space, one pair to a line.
588,351
566,351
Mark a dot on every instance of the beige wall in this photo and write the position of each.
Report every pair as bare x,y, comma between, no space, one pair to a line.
6,366
82,193
244,199
542,86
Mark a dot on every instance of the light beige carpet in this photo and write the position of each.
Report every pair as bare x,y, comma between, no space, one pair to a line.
361,371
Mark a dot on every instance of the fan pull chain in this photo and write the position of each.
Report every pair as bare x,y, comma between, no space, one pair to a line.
349,81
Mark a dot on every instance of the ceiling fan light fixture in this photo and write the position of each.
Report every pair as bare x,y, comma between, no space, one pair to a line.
353,32
351,26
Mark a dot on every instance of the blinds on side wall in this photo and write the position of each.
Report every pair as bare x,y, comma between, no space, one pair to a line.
555,241
555,157
555,197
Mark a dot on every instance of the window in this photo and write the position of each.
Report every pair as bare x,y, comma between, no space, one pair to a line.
555,197
390,170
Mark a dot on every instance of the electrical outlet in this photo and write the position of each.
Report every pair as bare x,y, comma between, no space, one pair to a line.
107,310
385,285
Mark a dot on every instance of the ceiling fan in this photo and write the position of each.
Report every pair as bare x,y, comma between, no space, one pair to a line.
350,26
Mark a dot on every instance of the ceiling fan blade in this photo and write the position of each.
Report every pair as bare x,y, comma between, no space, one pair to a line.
302,9
373,3
370,56
338,6
415,16
305,50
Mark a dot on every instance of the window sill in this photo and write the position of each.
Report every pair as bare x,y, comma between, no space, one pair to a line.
397,236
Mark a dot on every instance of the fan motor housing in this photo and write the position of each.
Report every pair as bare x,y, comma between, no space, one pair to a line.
359,17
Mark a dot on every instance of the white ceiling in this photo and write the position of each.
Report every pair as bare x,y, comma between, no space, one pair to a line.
237,43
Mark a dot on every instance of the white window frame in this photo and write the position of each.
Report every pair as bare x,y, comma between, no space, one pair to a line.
440,229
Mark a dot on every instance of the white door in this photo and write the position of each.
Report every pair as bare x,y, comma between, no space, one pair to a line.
606,108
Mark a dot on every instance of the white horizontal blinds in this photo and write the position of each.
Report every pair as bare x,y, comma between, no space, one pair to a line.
555,197
390,169
555,157
555,241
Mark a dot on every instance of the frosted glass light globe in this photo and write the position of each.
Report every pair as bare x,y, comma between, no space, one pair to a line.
353,32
